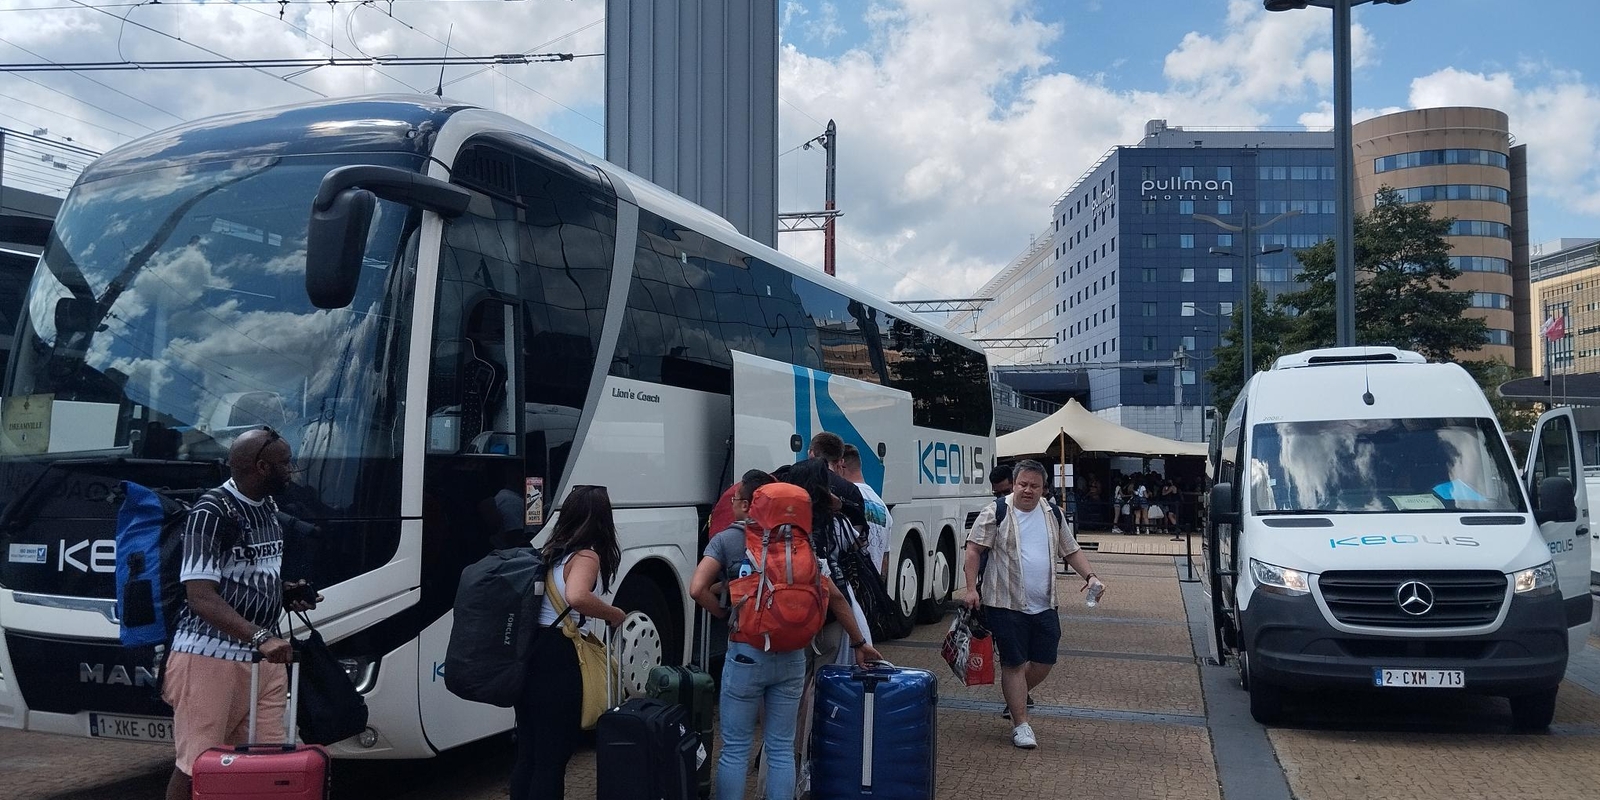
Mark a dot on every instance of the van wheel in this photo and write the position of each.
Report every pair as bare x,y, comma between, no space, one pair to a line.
931,610
908,582
1532,713
1266,699
1244,673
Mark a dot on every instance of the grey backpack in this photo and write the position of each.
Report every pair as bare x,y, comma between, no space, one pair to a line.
496,617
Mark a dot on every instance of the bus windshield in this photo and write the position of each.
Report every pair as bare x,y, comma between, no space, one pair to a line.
169,314
1381,466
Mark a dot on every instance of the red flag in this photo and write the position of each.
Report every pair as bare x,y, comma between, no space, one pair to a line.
1554,328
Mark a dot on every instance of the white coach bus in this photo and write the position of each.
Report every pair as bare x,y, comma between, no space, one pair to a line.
453,318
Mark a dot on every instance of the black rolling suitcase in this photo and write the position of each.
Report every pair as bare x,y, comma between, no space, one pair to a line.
693,688
646,749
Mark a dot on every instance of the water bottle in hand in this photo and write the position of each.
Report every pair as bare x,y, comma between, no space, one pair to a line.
1096,589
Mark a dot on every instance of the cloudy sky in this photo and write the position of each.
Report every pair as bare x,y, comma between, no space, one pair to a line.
960,121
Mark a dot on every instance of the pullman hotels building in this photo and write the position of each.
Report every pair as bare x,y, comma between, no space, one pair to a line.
1131,276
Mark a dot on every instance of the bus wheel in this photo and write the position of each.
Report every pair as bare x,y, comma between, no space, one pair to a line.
646,634
908,581
944,582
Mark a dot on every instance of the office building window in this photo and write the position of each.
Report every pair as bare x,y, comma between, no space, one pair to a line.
1185,206
1186,173
1225,275
1113,244
1188,342
1149,206
1147,241
1186,275
1225,309
1224,240
1188,377
1187,309
1186,241
1149,342
1224,173
1149,309
1147,173
1149,274
1327,173
1150,377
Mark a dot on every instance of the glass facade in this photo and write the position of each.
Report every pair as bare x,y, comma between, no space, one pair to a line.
1431,158
1182,293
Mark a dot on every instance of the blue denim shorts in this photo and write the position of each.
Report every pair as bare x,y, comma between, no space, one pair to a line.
1021,638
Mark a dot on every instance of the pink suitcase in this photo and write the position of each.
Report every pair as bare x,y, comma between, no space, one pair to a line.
285,771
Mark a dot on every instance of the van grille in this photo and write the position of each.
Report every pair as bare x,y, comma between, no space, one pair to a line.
1461,598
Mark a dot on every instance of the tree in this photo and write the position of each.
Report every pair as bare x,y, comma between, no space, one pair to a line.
1403,299
1269,326
1403,294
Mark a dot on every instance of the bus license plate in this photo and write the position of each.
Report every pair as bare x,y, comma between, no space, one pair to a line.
1419,678
137,729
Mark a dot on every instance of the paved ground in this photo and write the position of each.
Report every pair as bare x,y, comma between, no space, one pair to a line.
1130,712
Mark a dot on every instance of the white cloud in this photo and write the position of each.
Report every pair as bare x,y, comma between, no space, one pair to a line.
958,130
255,31
1554,112
1323,116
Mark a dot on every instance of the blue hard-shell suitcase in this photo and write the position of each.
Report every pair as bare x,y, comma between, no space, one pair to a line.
873,733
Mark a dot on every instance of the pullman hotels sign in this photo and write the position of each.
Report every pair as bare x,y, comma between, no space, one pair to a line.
1186,189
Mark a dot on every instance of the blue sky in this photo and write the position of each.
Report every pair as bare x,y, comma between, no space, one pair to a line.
960,120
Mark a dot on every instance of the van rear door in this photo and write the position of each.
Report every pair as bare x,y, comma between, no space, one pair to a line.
778,407
1554,453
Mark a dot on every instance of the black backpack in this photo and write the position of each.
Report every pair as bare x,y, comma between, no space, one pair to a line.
328,708
496,617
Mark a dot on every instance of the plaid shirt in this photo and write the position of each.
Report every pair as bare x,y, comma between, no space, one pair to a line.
1003,586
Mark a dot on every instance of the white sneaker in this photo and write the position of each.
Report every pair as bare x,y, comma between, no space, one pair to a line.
1022,736
1115,529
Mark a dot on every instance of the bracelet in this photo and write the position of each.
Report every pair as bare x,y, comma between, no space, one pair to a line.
858,645
260,637
1086,578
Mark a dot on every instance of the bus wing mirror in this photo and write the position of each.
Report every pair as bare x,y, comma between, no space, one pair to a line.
341,216
1222,505
1555,502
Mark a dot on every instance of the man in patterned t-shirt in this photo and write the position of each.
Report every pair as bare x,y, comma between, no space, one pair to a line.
232,557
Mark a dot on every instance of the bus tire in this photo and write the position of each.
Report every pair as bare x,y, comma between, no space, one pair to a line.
656,640
908,580
943,581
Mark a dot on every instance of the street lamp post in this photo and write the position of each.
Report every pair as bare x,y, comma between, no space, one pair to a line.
1344,153
1248,231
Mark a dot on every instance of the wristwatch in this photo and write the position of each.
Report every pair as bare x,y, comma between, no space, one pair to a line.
260,637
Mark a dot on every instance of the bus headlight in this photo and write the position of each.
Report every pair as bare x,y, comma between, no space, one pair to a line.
1280,580
1536,581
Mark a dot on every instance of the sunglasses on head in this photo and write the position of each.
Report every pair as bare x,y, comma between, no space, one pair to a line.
272,436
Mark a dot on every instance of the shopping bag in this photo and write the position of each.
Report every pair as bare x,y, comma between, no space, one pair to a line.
969,649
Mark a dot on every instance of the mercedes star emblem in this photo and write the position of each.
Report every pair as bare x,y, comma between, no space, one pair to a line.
1415,598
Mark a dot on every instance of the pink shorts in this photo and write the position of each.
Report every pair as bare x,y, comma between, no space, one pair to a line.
210,698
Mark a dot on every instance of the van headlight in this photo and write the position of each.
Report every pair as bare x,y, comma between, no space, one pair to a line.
1536,581
1280,580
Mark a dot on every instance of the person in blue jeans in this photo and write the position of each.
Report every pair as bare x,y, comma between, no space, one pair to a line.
754,679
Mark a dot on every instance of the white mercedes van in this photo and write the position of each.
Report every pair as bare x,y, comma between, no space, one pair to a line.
1370,530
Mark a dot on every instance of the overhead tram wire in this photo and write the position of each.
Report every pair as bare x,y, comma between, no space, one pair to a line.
265,63
101,84
531,51
196,46
65,115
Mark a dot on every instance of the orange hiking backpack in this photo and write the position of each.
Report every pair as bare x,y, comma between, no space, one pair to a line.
781,605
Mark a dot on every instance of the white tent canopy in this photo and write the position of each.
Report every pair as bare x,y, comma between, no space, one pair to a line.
1091,434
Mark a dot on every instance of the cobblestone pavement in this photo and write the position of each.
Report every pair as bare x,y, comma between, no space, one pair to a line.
1123,715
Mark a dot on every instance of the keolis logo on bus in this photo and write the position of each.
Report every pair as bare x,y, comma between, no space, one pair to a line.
946,463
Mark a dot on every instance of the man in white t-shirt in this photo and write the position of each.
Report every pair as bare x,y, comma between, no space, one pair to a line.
1018,588
879,521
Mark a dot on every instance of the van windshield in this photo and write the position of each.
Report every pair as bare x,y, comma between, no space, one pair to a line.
1381,466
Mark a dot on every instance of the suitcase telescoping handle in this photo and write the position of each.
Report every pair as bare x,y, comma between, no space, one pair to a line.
291,712
705,639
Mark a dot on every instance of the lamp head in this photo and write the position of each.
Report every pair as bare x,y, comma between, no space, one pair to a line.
1284,5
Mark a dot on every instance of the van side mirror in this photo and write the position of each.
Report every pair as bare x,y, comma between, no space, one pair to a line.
1555,502
341,216
1222,506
